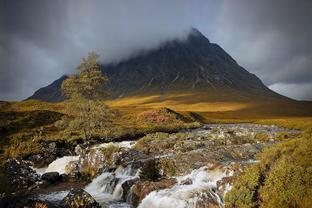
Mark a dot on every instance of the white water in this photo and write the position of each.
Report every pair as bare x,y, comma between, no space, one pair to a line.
53,196
186,196
57,165
107,187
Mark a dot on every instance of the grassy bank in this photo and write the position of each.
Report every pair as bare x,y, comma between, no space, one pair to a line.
283,177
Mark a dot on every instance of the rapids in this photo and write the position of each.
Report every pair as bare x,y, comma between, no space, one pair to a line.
107,187
204,183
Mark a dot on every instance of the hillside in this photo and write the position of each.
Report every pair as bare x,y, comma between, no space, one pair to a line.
177,66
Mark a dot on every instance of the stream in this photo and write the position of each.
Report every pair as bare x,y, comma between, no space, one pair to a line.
201,184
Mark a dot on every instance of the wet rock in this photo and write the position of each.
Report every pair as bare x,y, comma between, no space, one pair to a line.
142,188
126,187
206,199
19,176
51,177
72,168
149,169
64,177
78,198
187,181
93,161
129,155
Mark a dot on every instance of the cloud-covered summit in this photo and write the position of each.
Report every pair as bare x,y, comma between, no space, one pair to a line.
40,40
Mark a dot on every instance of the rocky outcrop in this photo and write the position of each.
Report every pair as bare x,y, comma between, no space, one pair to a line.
51,151
78,198
18,176
93,161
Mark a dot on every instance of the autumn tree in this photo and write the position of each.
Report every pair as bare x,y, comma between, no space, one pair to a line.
86,112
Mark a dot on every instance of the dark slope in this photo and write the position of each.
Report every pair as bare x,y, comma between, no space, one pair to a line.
193,64
50,93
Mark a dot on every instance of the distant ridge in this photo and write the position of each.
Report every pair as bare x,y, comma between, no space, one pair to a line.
50,93
191,65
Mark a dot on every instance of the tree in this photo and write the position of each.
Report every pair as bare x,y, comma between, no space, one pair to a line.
86,112
88,83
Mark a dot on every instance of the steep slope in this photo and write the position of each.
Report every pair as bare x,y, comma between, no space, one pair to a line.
50,93
194,64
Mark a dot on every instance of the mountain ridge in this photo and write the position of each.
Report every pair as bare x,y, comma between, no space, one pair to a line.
177,65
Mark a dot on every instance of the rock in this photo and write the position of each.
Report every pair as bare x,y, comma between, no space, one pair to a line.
78,198
187,181
126,187
52,150
52,177
206,199
149,169
142,188
64,177
129,156
93,161
72,168
19,176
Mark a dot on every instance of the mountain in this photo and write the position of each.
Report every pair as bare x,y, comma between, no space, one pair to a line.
50,93
194,64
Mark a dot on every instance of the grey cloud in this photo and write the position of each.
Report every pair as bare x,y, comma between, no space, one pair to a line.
43,39
300,91
40,40
269,38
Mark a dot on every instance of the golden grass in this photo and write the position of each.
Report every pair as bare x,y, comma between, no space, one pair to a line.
222,106
195,102
301,123
31,105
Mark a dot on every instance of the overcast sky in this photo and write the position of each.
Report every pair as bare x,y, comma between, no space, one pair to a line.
40,40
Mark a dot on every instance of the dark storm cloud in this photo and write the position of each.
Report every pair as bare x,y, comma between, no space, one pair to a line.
271,39
41,39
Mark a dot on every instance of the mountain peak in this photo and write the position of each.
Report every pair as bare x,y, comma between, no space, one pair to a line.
197,35
178,66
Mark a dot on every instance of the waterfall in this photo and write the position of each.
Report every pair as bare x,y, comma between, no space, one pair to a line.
57,165
204,183
107,187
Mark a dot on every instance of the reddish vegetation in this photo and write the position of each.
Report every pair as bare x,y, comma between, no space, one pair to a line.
158,116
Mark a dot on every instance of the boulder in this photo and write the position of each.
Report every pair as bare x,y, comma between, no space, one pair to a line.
64,177
18,176
51,177
78,198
